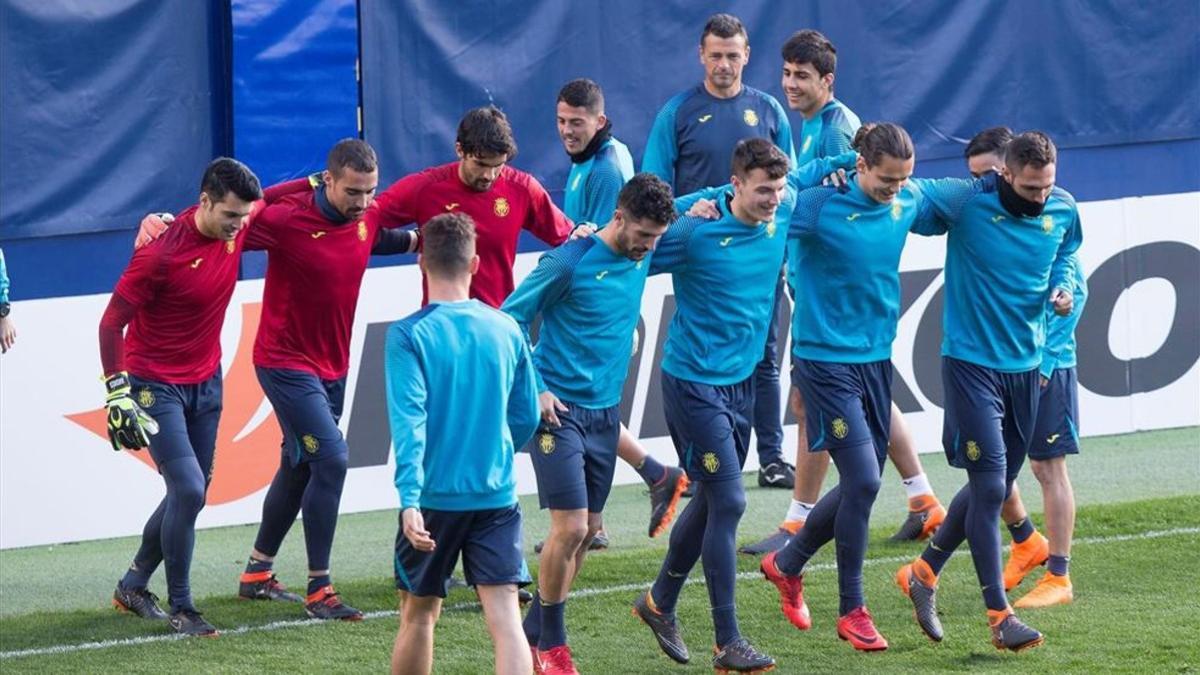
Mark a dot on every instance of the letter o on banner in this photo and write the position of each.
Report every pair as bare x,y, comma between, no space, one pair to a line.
1101,371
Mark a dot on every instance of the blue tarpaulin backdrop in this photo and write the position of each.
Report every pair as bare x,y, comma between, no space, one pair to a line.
111,108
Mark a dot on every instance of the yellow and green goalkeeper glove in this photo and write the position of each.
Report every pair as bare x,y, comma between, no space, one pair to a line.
129,426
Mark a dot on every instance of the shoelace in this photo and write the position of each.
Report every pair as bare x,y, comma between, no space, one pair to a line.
862,624
556,658
742,646
144,594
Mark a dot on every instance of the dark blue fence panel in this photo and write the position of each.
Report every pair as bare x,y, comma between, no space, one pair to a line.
1090,74
295,89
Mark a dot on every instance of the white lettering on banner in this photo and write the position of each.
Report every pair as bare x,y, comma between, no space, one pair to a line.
60,481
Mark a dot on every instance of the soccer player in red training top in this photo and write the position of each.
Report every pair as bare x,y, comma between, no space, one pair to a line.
500,199
301,357
319,246
164,376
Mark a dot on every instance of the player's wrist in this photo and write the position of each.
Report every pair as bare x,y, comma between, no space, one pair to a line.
117,385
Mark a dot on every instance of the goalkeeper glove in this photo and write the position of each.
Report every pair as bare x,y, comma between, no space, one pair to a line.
128,425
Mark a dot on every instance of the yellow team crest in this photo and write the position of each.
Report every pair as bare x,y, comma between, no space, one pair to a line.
897,209
546,443
146,397
973,451
311,444
840,428
710,462
750,117
230,246
362,230
501,207
1047,224
770,229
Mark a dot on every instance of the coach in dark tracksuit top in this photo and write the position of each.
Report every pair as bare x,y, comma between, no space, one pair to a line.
689,147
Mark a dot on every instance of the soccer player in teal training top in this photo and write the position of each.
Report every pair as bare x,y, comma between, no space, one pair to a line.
8,332
1055,434
724,274
462,394
809,69
589,295
600,165
844,248
1010,254
689,147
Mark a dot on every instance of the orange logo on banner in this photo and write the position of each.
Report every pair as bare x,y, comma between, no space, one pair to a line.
243,466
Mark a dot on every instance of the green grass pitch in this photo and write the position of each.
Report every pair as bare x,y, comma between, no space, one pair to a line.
1134,569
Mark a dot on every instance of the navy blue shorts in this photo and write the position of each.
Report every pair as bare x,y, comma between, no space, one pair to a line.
187,416
1057,430
574,462
710,426
989,418
845,404
308,409
489,541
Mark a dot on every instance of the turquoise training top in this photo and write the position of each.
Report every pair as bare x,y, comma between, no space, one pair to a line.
1000,269
589,298
1059,351
843,256
593,186
828,133
724,274
462,394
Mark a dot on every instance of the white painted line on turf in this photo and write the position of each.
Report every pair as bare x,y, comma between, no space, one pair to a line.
464,606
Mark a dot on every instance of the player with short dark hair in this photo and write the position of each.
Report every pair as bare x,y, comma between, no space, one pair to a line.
809,69
600,166
1012,240
589,295
831,129
164,376
985,150
689,146
724,274
302,357
1055,435
501,200
462,394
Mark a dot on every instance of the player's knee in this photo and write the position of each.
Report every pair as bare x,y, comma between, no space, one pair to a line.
1050,471
331,470
861,489
569,529
989,491
420,615
727,498
189,496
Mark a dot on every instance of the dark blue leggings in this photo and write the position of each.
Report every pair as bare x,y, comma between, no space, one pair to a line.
844,515
707,529
170,533
314,487
768,411
972,516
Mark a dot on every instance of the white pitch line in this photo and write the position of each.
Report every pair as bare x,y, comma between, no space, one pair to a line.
464,606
